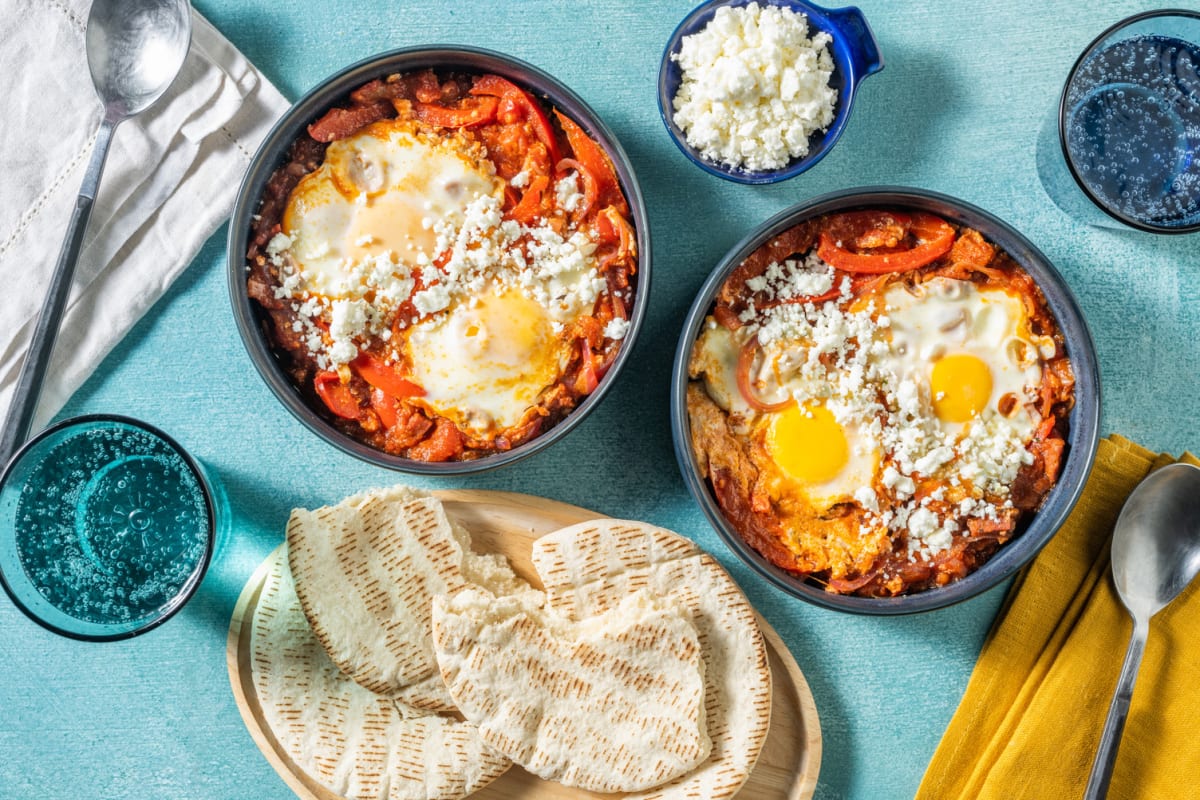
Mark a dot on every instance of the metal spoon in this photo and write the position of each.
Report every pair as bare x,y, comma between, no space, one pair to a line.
1155,555
134,49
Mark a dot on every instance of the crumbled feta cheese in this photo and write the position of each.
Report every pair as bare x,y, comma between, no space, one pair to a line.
477,251
754,86
348,319
433,299
567,193
616,329
865,496
278,243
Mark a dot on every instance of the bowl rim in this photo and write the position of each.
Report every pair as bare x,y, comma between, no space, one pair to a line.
821,18
1062,112
1083,436
190,587
309,107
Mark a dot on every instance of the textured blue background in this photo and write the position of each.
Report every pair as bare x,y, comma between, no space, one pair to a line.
957,109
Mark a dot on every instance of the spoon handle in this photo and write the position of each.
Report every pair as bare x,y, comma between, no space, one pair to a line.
1118,711
41,346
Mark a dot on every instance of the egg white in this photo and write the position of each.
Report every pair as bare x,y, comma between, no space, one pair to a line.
716,356
375,198
943,317
485,361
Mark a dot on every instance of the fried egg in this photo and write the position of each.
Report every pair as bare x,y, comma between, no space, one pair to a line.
817,457
484,362
969,348
377,195
805,448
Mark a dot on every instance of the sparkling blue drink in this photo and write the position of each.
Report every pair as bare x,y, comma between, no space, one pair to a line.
1129,122
106,528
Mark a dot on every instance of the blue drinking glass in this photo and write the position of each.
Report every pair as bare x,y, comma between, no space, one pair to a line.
107,527
1123,149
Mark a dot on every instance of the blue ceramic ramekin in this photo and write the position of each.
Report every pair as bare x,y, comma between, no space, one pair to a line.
855,55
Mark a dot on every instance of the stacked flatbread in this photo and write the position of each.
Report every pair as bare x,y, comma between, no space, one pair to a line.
614,703
591,567
354,742
367,570
401,664
343,662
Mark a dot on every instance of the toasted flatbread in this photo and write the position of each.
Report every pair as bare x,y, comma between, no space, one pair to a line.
354,742
613,703
366,572
591,567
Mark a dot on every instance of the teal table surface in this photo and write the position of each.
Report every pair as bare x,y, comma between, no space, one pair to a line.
957,109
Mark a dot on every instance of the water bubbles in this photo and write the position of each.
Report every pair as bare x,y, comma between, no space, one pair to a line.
115,526
1133,110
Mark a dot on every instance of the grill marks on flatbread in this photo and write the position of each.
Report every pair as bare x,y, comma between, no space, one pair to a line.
367,570
642,663
356,743
591,567
612,703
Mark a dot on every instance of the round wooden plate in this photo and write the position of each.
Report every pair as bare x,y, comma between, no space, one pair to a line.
507,523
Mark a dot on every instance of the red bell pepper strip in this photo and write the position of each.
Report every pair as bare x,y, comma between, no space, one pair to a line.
384,377
727,317
588,378
530,206
443,444
336,395
385,407
473,111
592,156
496,86
934,237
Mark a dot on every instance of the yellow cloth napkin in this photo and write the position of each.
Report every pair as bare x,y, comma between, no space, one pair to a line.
1030,720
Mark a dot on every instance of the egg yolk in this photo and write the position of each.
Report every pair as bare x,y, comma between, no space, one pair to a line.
961,385
387,224
482,364
808,443
509,331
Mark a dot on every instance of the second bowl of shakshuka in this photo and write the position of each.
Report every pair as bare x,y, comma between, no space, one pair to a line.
885,400
439,260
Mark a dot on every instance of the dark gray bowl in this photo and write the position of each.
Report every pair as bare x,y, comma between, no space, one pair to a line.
335,90
1084,420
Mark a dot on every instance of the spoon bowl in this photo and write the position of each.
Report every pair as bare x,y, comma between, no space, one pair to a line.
1156,545
1155,555
135,49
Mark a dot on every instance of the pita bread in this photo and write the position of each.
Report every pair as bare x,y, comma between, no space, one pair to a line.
591,567
355,743
614,703
366,572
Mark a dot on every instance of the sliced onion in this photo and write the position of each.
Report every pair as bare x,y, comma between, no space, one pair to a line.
746,385
850,585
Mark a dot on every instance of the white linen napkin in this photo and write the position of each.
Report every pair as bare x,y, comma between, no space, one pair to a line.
170,181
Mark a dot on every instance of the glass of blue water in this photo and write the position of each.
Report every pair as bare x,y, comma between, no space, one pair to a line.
1127,131
107,527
